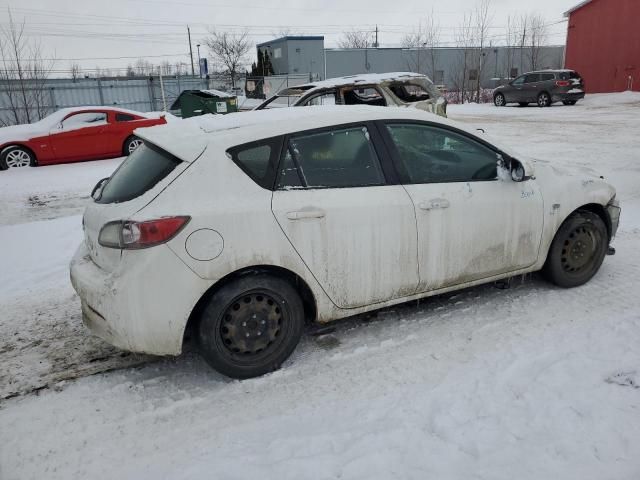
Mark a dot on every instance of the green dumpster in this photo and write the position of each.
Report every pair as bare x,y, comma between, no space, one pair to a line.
191,103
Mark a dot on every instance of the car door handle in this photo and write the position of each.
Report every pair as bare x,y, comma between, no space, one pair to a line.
302,214
434,204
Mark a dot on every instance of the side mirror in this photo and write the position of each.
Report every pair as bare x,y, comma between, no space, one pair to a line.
97,190
521,170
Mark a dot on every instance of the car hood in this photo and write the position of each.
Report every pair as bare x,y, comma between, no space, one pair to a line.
22,133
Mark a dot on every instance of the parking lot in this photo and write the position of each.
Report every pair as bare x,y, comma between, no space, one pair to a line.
468,380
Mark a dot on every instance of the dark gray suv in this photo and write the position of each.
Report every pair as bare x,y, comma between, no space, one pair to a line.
543,87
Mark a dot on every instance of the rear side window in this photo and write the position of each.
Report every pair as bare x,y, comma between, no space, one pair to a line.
547,76
363,96
532,78
569,75
408,92
139,173
331,159
124,117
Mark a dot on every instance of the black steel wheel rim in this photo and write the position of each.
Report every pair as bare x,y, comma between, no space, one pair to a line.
579,249
252,325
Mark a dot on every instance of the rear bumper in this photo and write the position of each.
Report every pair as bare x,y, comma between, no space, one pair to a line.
567,96
144,305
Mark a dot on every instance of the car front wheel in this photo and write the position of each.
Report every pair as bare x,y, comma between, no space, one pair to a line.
16,157
578,250
499,100
251,326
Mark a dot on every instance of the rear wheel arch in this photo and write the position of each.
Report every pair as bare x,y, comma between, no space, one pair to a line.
301,287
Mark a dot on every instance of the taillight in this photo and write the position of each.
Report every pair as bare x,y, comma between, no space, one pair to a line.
563,83
136,235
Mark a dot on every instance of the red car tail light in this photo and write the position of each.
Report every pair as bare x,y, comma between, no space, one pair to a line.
136,235
563,83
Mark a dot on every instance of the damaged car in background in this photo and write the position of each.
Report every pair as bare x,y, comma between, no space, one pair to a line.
399,89
243,229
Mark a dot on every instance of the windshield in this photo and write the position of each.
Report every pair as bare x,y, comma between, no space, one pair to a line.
278,101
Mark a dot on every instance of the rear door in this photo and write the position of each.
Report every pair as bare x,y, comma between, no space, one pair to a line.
80,136
352,226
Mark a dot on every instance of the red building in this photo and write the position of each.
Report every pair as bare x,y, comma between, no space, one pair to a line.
603,44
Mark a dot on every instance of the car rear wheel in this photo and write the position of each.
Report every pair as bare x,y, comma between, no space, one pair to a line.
131,144
544,100
499,100
569,102
577,251
251,326
16,157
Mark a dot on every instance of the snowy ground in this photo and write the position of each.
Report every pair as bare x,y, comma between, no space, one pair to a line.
531,382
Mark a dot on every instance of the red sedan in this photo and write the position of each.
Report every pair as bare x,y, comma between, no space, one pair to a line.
73,135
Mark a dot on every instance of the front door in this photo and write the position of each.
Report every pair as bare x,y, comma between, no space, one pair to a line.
354,231
471,225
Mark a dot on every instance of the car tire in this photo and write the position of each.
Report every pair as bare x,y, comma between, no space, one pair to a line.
523,104
130,144
569,102
577,250
16,157
250,326
499,100
544,99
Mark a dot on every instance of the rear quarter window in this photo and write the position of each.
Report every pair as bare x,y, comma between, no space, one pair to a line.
139,173
124,117
258,160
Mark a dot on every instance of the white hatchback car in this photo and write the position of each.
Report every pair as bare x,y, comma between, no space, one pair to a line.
244,227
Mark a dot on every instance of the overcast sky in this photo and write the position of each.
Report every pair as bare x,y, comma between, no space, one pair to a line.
156,29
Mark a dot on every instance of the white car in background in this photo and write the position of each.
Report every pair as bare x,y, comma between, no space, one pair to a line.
242,228
395,89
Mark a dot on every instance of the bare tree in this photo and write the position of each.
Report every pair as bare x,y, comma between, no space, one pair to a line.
423,42
355,39
512,39
481,21
537,38
229,49
75,72
23,74
461,72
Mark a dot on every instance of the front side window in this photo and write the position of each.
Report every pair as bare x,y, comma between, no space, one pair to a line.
84,119
518,81
337,158
435,155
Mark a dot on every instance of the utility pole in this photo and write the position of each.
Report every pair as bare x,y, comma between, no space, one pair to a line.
376,45
193,70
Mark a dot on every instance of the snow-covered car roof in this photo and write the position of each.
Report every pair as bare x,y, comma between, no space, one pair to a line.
188,138
367,78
